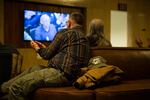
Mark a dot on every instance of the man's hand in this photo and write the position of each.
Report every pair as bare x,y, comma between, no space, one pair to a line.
41,45
34,45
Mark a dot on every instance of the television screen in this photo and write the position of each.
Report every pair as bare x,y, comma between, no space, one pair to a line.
43,26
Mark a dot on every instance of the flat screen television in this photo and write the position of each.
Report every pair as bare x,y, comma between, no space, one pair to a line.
43,26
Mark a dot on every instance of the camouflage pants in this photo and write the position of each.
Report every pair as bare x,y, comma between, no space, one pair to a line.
21,86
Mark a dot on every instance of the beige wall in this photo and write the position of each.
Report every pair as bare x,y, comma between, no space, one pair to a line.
138,14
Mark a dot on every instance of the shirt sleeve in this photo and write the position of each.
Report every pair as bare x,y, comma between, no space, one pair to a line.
52,49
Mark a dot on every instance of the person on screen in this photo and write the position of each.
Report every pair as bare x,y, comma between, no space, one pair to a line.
31,19
67,53
61,21
96,35
45,31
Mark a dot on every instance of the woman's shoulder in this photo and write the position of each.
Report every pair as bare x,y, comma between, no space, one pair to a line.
104,43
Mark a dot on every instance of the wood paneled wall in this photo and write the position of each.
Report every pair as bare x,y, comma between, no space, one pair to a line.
2,21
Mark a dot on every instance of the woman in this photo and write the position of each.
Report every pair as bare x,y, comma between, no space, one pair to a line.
96,35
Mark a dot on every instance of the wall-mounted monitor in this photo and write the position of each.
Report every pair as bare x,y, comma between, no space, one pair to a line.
43,26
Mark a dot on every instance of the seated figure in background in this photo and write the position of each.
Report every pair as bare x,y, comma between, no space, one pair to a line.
96,35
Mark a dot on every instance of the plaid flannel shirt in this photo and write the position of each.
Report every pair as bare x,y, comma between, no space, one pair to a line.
68,52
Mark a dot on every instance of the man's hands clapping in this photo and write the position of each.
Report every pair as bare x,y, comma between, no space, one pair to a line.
37,45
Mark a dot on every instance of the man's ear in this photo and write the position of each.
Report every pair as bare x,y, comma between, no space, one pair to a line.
69,24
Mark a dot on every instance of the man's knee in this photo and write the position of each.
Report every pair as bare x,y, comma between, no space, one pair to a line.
16,92
15,89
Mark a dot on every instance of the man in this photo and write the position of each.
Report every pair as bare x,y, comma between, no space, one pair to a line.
46,30
66,55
